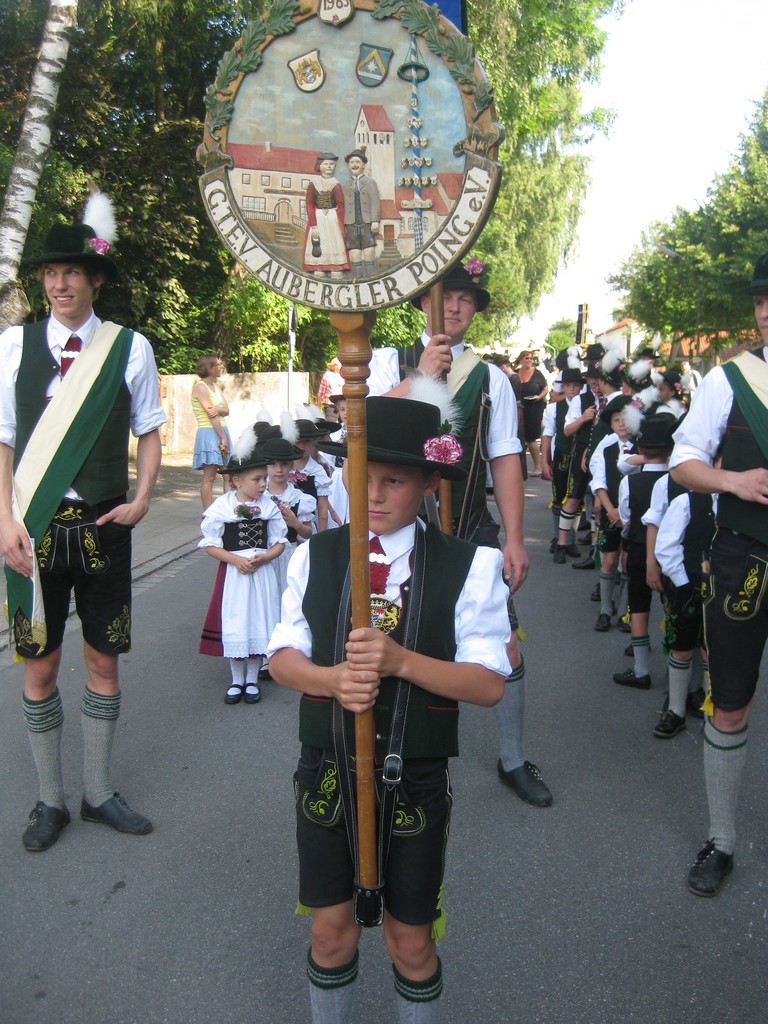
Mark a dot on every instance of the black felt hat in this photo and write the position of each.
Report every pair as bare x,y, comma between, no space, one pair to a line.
616,403
310,430
85,243
406,433
252,458
571,375
657,430
759,285
274,445
459,279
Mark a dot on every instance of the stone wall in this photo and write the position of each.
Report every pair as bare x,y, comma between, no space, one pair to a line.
247,394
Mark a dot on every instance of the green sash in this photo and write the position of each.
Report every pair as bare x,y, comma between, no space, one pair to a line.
748,380
66,433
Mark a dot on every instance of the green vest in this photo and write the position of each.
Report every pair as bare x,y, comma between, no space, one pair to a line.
432,724
104,473
741,452
468,400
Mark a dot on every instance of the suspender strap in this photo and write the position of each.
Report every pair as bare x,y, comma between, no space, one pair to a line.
464,528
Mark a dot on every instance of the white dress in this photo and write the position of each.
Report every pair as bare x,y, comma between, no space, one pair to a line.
250,603
306,513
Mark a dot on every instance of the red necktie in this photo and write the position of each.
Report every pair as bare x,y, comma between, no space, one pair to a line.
69,352
379,566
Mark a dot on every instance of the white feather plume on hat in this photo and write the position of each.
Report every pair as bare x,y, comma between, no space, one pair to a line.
99,214
245,443
676,406
288,427
612,358
639,369
633,418
435,392
648,396
308,412
262,416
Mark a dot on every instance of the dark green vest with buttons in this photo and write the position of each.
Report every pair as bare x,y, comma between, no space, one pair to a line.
432,724
104,473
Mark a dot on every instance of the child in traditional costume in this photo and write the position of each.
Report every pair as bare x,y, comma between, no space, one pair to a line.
439,628
245,532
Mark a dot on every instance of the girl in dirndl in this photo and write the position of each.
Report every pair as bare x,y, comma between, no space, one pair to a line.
245,532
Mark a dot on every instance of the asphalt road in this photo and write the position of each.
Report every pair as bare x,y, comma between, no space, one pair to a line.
576,914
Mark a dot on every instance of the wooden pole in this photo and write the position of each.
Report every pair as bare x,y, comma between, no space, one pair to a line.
437,325
354,332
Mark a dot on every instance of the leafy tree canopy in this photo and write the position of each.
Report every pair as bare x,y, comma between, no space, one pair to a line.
683,276
130,115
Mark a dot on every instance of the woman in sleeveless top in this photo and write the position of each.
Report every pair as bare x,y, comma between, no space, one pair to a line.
212,441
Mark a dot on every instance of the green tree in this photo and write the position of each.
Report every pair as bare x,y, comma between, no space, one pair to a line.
683,277
561,335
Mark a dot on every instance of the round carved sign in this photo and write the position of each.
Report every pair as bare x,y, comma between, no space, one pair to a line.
349,150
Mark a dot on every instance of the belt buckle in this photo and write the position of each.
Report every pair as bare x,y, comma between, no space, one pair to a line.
392,774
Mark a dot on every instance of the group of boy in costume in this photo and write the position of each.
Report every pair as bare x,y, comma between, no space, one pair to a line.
442,628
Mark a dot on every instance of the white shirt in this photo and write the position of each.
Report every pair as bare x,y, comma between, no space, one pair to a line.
599,479
700,434
140,375
659,503
502,432
548,425
669,540
481,620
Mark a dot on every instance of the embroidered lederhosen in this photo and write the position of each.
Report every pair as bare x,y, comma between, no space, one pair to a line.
244,533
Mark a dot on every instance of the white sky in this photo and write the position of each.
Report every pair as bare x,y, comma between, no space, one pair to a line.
682,77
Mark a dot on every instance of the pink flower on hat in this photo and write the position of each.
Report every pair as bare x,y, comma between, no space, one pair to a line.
99,245
474,267
445,449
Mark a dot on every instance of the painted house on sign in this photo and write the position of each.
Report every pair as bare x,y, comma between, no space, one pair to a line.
269,183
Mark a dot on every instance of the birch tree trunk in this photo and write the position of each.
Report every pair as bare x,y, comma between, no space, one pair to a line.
30,157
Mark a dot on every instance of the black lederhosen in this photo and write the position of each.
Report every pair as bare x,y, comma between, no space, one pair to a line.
561,478
684,622
95,562
608,535
415,864
639,594
735,617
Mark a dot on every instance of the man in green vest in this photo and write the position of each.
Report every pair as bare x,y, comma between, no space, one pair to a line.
721,447
71,388
489,437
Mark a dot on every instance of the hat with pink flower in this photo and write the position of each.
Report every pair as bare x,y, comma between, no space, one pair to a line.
87,242
408,432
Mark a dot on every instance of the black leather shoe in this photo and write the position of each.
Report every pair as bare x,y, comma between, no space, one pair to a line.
625,627
116,813
586,563
669,725
709,871
628,678
559,556
595,595
572,550
44,827
251,694
527,782
603,623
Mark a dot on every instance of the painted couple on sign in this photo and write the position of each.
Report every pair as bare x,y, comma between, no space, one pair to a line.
342,219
